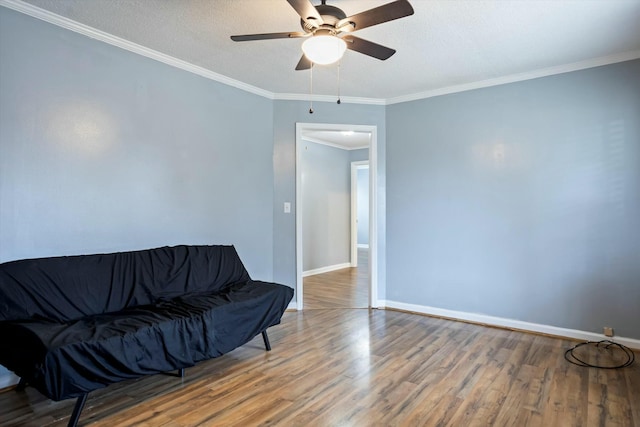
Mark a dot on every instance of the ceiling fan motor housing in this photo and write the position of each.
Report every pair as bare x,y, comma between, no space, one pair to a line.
331,15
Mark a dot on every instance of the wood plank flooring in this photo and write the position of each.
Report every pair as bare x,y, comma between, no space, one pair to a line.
346,288
345,367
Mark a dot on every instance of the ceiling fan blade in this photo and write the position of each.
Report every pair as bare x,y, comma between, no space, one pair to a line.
307,12
368,48
268,36
375,16
303,64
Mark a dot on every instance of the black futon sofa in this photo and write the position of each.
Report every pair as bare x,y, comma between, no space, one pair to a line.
70,325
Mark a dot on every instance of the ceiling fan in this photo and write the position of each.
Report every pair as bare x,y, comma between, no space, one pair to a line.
324,25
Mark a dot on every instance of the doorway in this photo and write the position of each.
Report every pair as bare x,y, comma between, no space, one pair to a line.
304,134
359,209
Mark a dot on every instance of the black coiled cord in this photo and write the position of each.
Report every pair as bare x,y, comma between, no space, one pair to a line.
572,358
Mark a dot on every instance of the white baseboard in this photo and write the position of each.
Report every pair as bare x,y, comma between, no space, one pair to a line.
508,323
326,269
293,305
8,379
363,246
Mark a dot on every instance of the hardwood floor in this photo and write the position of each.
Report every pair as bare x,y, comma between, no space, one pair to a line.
346,288
343,367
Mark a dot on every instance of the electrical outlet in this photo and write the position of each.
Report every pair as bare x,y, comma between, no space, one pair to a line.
608,332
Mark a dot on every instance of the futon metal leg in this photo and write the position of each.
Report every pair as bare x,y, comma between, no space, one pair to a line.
21,385
266,340
181,372
75,415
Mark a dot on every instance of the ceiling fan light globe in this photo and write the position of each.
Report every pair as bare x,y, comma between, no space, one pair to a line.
324,49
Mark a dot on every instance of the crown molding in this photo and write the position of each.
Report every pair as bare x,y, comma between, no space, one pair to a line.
513,78
327,98
105,37
102,36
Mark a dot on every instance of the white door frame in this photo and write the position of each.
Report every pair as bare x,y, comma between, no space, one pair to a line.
373,217
354,209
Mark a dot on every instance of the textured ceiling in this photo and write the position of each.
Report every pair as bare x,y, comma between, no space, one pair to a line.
445,43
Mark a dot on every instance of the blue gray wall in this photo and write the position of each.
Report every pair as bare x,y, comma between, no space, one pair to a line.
521,201
105,150
326,206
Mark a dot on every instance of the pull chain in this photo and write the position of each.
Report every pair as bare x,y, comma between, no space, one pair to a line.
340,62
311,89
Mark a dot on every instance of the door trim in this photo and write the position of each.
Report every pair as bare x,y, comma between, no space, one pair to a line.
354,209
